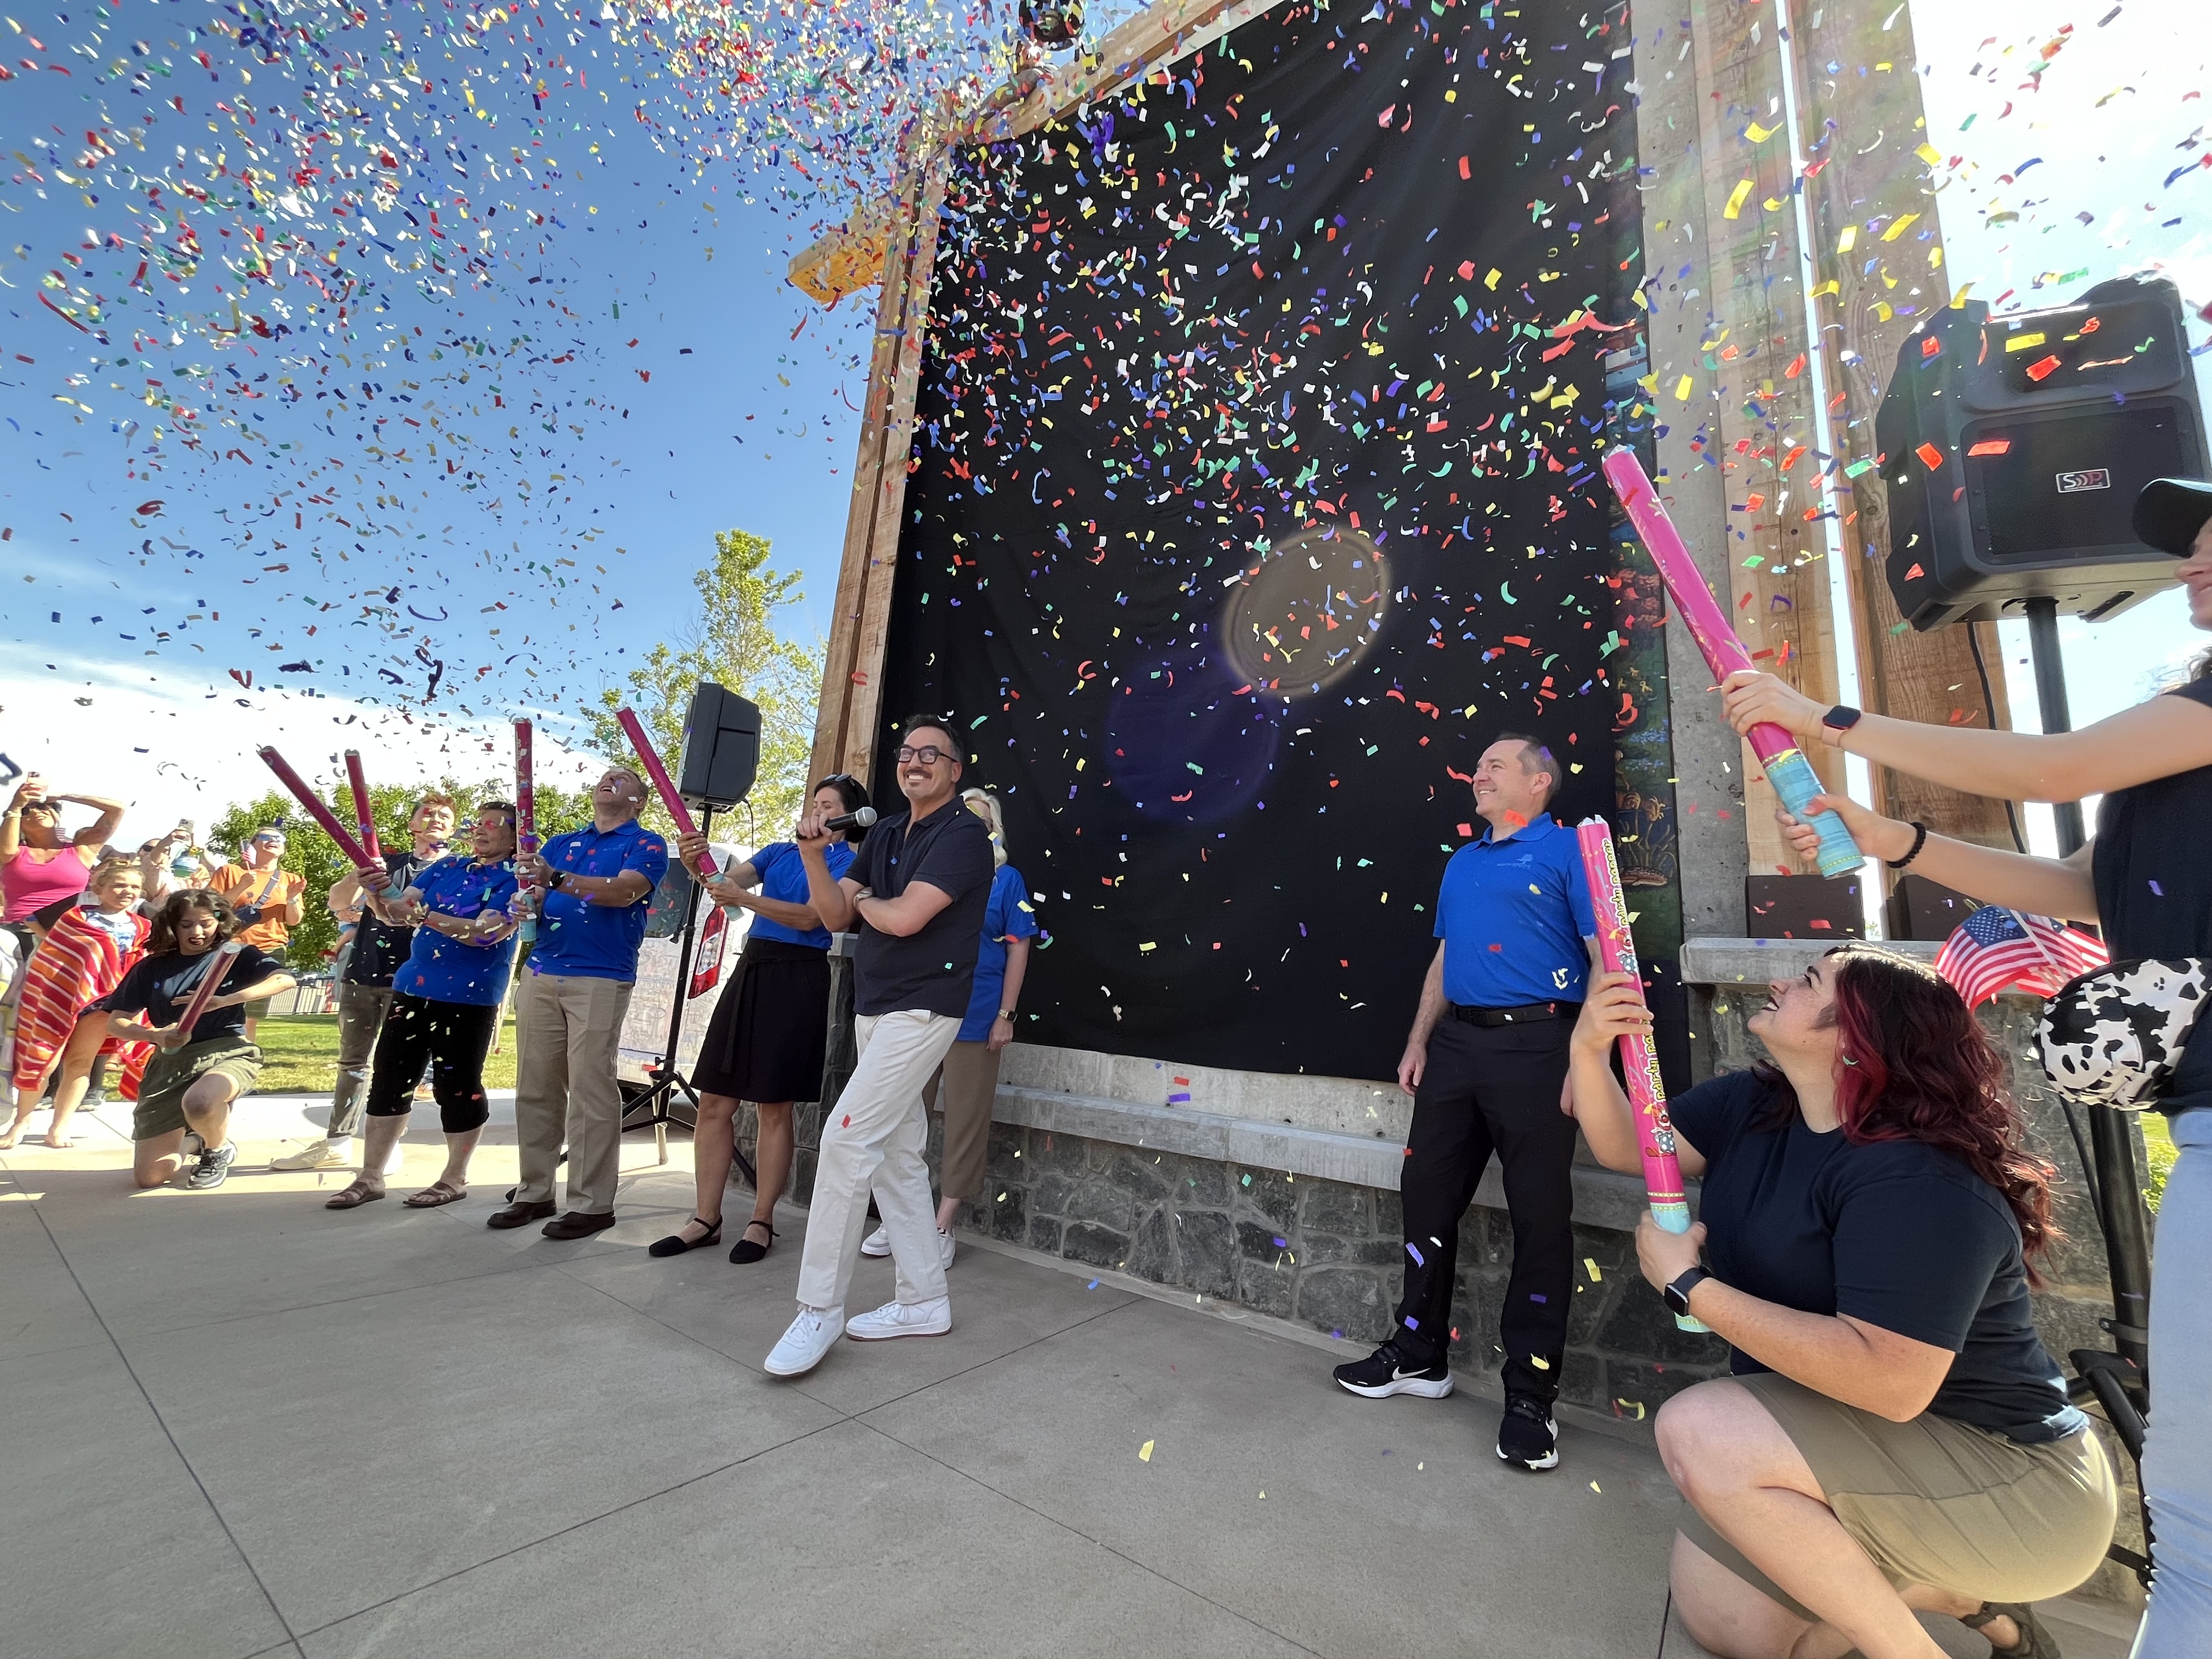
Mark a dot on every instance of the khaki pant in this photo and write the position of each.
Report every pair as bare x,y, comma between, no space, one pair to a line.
873,1138
966,1088
569,1029
361,1009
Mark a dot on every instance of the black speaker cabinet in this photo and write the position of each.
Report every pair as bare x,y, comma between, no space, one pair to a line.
721,748
2013,447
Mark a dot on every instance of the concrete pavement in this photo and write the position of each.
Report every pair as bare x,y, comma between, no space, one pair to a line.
242,1425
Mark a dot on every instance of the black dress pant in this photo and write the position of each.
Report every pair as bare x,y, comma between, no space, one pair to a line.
451,1038
1485,1089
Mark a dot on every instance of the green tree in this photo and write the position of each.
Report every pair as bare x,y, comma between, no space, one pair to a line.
310,853
732,641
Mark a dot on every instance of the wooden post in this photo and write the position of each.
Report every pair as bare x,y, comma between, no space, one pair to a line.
1881,288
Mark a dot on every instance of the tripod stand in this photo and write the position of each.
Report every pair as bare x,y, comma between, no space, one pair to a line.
657,1104
2119,1381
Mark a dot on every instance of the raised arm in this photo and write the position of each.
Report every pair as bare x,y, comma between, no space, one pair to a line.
1612,1008
97,833
2045,887
2154,739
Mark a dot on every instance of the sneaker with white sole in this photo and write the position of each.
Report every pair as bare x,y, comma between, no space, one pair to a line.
876,1243
1386,1372
802,1346
315,1155
1526,1435
945,1243
901,1319
214,1167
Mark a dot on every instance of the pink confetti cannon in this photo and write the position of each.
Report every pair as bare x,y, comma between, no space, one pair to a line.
526,810
1787,768
203,993
364,816
648,754
1654,1133
347,842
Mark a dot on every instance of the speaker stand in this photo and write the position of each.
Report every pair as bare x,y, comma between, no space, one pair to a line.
667,1090
2118,1382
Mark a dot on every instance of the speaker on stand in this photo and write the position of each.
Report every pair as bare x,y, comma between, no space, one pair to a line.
2014,449
721,754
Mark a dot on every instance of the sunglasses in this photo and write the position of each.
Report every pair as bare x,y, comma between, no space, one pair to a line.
268,841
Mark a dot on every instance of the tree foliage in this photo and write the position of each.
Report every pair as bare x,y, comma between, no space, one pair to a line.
733,641
310,853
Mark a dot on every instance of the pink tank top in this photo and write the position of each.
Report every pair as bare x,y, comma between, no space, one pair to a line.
32,883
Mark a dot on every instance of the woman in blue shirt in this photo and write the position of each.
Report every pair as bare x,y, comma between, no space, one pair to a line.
445,1002
770,1029
967,1085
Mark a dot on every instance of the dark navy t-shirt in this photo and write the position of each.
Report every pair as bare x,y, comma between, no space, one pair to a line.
1897,1234
934,969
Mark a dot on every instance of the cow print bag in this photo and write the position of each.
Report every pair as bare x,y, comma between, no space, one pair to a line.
2113,1036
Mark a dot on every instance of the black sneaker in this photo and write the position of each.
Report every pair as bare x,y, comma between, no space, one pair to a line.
214,1167
1526,1435
1384,1372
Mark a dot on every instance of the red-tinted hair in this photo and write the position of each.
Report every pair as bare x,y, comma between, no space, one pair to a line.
1917,1066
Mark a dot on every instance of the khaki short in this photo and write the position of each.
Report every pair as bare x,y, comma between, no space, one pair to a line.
1939,1502
169,1073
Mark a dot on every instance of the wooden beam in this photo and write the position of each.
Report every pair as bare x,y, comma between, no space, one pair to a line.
852,681
1882,289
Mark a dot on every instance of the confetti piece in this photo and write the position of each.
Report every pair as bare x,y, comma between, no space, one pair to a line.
1145,1452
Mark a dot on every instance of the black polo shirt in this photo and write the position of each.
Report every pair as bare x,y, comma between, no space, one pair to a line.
932,971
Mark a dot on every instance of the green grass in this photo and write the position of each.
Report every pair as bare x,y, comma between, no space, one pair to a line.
2158,1149
300,1055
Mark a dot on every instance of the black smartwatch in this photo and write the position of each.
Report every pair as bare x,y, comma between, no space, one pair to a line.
557,881
1678,1293
1841,719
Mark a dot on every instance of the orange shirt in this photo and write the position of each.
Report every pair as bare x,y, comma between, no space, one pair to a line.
269,890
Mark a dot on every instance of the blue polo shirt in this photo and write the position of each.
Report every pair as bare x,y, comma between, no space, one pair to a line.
583,940
1513,914
783,876
1007,916
442,970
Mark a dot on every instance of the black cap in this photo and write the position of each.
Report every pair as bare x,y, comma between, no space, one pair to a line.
2170,511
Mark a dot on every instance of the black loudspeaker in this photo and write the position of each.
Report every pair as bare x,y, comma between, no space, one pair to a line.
721,748
2013,447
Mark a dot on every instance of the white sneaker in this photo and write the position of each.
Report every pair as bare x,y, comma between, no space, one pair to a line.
902,1319
945,1243
803,1346
877,1243
315,1155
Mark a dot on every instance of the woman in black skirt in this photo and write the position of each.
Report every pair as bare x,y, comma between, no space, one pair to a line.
770,1029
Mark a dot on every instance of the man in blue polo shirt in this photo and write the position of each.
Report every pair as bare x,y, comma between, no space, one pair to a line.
597,884
1486,1063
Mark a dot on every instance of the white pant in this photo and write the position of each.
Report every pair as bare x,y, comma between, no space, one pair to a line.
873,1137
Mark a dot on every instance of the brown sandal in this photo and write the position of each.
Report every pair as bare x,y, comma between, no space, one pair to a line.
437,1192
354,1197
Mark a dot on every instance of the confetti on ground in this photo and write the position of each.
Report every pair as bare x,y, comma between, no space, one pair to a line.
1145,1452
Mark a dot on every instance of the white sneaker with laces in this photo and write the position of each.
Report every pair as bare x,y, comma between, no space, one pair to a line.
876,1243
945,1243
315,1155
804,1344
901,1319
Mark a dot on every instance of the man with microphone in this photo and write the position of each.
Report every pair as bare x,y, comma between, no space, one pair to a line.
916,891
1486,1063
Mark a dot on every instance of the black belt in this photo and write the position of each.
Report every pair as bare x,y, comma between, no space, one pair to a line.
1527,1013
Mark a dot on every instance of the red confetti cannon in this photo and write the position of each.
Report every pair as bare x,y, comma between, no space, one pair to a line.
364,816
661,781
337,832
1655,1132
204,991
526,812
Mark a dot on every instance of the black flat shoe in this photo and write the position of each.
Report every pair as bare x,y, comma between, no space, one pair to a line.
675,1244
744,1250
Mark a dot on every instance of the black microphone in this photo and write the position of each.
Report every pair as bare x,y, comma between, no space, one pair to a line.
861,818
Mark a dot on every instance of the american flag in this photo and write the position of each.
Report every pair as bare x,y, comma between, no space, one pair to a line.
1995,948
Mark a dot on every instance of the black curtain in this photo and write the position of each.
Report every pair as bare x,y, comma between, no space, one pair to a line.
1254,492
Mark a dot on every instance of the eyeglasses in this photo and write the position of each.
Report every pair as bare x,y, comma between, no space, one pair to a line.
927,755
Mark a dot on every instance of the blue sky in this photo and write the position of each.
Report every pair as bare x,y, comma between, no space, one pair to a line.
688,388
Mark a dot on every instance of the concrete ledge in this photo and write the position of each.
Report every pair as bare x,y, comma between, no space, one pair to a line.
1602,1198
1755,961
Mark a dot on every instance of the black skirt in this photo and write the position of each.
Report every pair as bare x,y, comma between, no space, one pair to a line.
771,1028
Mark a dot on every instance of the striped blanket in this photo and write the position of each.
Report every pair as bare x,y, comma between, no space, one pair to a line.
75,965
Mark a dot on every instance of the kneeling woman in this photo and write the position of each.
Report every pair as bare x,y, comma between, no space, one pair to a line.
1895,1436
445,1000
192,1079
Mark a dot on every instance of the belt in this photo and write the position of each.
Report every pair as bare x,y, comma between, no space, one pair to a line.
1527,1013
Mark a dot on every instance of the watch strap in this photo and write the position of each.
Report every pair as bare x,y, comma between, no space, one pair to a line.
1678,1292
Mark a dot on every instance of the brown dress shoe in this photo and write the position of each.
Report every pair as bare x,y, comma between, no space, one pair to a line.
575,1224
519,1215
